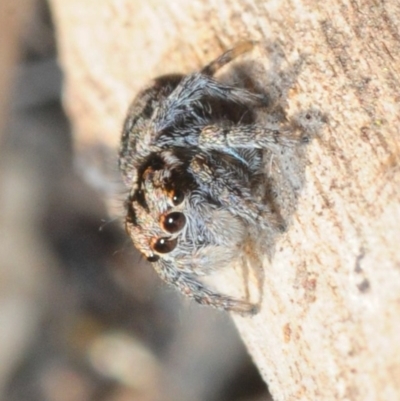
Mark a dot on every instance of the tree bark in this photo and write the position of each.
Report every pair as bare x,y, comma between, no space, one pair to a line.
329,324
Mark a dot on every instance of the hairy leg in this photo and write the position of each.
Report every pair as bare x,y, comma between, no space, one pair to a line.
225,136
189,286
191,91
243,47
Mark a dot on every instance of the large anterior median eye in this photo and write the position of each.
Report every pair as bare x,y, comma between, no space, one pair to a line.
164,245
173,222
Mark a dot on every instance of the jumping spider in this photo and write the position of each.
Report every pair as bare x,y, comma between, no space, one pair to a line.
193,162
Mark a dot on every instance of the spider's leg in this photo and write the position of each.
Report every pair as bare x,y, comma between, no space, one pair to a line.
188,98
243,47
192,288
248,136
229,187
223,184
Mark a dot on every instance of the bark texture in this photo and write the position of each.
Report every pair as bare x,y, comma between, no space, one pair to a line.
329,325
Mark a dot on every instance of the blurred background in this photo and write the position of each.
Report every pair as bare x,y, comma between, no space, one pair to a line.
82,317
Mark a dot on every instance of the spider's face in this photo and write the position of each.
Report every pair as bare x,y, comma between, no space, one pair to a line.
155,213
170,219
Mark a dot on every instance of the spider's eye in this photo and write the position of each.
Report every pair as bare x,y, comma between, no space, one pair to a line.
165,245
177,197
153,258
173,222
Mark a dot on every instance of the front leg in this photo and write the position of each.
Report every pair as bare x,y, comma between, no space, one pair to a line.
192,288
251,136
222,184
229,185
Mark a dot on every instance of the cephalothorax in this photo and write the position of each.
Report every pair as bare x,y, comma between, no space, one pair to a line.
192,159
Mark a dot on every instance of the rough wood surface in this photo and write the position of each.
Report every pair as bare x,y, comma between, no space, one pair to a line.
329,326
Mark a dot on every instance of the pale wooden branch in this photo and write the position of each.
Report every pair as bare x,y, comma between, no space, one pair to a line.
329,326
